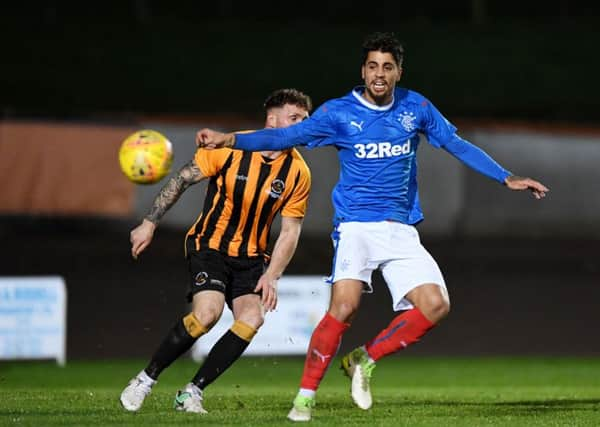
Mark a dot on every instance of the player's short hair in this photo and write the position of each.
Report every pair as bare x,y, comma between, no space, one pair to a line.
383,42
280,97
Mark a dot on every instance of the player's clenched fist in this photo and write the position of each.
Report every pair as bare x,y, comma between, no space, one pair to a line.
211,139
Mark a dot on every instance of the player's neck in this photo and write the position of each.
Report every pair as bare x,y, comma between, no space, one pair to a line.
381,101
272,155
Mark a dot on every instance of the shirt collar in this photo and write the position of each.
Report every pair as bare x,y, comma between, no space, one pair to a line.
359,90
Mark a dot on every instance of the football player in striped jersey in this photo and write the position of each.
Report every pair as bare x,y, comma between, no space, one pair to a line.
226,248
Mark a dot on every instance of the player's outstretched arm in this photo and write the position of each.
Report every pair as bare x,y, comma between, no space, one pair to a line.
284,249
520,183
211,139
141,236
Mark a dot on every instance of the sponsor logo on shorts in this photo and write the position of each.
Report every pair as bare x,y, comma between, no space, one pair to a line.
201,278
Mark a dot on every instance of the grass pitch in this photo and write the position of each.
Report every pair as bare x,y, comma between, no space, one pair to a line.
257,391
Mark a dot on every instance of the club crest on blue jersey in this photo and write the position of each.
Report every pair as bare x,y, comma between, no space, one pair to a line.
407,120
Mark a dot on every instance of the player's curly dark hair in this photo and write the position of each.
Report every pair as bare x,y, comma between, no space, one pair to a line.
280,97
383,42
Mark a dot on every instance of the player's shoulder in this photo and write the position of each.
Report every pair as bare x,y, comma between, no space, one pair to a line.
213,157
236,152
221,152
337,109
408,97
299,162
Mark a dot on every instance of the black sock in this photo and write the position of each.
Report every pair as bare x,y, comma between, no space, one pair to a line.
225,351
177,342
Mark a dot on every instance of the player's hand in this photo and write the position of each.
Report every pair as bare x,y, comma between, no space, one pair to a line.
210,139
522,183
141,236
268,284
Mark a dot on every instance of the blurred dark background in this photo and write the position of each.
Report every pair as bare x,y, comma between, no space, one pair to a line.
129,62
496,59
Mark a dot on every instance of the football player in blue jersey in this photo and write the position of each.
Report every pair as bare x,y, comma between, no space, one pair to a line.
375,129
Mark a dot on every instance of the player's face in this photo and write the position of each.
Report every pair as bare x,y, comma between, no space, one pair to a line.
282,117
380,74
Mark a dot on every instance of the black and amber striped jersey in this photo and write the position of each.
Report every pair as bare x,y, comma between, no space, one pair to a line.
244,194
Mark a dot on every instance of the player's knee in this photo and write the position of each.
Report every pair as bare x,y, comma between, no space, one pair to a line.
207,316
442,307
255,319
435,307
343,310
248,309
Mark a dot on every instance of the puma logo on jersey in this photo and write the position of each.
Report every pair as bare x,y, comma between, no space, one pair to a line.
321,356
379,150
357,125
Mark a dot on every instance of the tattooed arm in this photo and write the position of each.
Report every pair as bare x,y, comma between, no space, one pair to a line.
175,186
141,236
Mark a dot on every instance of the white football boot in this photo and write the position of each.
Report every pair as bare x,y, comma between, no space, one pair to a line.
136,391
357,366
302,409
190,400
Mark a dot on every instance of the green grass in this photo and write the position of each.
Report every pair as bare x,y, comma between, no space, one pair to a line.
258,391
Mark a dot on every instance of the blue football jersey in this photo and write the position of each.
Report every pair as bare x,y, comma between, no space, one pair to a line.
377,147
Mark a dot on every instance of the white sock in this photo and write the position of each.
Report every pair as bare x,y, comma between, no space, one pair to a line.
307,392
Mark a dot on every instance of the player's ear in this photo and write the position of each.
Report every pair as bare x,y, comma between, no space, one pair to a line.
399,74
362,71
271,121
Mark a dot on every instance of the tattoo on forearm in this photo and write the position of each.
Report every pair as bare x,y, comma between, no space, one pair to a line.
175,186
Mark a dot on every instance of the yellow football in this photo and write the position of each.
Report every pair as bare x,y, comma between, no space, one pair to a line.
146,156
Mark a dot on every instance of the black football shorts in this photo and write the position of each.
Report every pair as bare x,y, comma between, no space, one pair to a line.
215,271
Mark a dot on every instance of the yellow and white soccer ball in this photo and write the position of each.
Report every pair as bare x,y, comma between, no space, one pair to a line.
146,156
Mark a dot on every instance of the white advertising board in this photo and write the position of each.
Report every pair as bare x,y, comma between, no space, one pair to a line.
302,302
33,312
